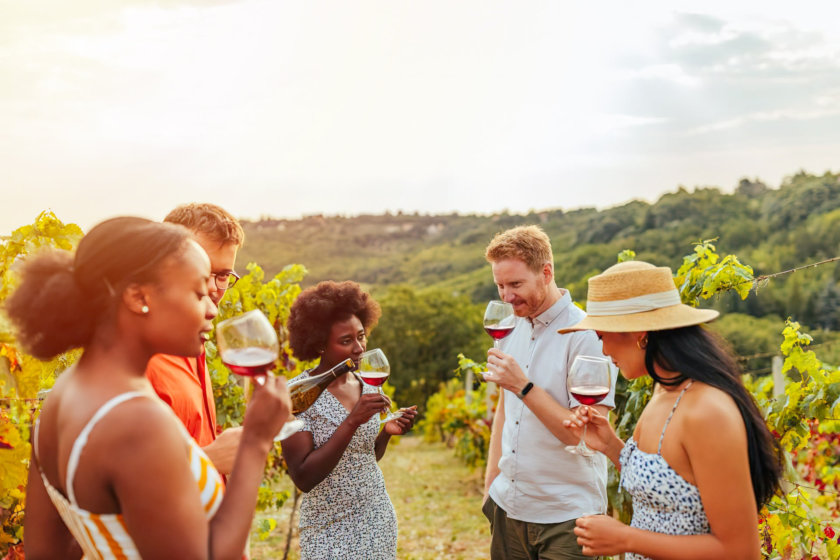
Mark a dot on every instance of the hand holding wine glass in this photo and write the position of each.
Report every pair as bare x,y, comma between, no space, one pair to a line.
403,424
588,381
369,405
248,346
600,435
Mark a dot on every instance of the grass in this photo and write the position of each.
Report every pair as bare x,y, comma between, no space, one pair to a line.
438,504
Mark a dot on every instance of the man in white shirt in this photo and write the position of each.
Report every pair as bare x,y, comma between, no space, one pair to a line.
534,488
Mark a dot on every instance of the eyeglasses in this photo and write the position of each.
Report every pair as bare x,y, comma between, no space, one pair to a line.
225,280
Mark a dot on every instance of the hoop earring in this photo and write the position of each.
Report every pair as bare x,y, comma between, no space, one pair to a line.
642,342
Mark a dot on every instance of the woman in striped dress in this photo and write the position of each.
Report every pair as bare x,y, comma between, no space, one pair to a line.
113,472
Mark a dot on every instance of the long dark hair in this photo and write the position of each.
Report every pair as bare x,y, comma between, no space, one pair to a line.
697,353
63,298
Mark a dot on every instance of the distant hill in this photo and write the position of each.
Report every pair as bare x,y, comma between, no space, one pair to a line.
771,229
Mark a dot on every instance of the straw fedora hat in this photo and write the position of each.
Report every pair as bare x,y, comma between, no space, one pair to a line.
636,296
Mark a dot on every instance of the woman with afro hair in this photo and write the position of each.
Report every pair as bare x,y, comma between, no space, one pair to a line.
345,511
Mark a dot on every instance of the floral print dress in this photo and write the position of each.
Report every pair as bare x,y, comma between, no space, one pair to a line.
663,501
348,515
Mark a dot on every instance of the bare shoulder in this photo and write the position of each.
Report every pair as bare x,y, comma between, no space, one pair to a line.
140,424
709,411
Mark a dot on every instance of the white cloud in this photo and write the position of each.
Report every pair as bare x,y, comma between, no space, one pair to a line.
771,116
670,72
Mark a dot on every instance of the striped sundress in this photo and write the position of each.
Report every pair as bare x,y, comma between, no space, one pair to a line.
104,535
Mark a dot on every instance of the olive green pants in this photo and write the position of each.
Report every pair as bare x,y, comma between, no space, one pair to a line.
520,540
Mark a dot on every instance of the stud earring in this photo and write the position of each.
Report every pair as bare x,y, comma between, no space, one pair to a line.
144,310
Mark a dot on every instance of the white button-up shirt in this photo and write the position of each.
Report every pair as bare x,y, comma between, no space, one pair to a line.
541,482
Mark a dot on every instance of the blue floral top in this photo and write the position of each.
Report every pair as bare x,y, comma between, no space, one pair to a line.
663,501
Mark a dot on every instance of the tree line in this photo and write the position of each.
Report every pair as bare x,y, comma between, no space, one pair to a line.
429,272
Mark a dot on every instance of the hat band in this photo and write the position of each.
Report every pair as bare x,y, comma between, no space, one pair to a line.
638,304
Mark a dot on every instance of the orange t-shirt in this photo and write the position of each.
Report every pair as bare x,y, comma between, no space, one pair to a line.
178,382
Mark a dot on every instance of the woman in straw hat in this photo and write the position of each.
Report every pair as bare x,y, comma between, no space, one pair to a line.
701,461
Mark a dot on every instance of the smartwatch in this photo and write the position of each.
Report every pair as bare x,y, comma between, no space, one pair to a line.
528,386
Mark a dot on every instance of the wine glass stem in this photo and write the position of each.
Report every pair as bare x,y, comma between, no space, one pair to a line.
381,392
582,443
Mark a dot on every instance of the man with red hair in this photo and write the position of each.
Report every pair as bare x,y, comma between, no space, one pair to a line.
184,383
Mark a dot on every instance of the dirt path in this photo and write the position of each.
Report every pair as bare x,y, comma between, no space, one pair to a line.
438,503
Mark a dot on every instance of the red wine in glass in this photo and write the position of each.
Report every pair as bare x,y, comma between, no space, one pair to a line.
588,381
374,378
249,361
248,346
499,332
589,395
374,369
499,321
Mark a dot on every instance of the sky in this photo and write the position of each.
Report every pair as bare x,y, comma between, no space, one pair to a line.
285,109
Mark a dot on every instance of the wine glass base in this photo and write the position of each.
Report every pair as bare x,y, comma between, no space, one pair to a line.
579,450
391,416
289,428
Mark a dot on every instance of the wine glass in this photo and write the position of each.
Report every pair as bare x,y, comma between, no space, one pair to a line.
249,347
374,370
588,381
499,321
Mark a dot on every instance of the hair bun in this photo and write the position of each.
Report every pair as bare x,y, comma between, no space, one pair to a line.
48,308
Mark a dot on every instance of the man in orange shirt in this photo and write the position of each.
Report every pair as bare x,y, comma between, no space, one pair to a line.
184,383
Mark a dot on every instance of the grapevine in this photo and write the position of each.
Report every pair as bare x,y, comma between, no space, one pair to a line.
23,379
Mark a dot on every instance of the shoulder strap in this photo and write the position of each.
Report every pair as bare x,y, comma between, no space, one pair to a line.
81,440
661,437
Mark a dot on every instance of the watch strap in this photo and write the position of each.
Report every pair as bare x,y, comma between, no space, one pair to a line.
528,386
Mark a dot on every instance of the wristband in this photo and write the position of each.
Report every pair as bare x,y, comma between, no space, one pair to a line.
528,386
